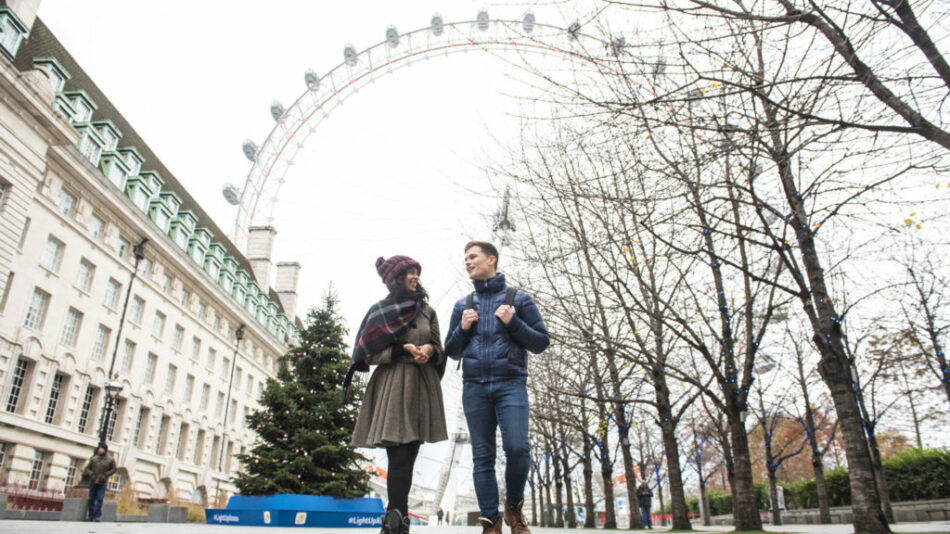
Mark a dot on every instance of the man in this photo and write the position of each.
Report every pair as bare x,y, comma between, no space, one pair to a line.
491,330
440,514
645,499
98,470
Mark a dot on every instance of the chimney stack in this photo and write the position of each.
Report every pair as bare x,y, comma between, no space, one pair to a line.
287,274
25,11
260,245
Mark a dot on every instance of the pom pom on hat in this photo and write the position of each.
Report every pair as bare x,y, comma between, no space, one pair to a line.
390,269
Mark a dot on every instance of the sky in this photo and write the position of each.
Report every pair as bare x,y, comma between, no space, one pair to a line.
400,168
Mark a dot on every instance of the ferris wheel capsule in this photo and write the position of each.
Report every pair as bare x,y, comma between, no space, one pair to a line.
574,29
250,149
392,36
482,19
349,55
437,24
311,79
528,23
276,110
231,194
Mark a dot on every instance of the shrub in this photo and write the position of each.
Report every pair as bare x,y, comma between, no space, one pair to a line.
918,474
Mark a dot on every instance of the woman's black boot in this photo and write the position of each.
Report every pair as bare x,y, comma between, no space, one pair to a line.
393,521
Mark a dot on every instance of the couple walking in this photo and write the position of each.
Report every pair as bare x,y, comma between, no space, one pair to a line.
490,331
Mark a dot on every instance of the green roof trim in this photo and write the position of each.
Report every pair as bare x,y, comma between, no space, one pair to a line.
15,19
108,124
56,65
84,95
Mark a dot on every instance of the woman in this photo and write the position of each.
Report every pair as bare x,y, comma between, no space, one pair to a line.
402,405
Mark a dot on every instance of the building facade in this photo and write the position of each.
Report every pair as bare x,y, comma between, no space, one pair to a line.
79,189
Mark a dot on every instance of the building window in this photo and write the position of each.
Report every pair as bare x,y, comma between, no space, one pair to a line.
101,343
215,444
71,327
225,367
195,348
113,417
182,441
179,337
238,375
170,379
123,248
86,408
128,355
249,390
11,34
212,356
162,435
138,308
66,203
150,368
158,325
115,483
189,386
85,275
139,423
54,392
4,189
36,312
6,291
96,226
53,255
199,447
89,146
72,471
202,310
185,295
18,384
39,471
205,393
113,288
146,269
219,406
166,283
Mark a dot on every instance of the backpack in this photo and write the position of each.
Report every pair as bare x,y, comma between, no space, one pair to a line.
509,300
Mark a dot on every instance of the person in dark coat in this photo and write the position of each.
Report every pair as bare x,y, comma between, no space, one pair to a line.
402,406
491,331
645,499
98,470
439,515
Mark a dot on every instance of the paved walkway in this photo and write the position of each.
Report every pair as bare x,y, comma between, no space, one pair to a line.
66,527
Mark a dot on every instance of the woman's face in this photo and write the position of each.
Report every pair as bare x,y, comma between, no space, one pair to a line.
412,280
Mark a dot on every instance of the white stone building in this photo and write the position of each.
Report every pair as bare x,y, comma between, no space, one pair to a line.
78,190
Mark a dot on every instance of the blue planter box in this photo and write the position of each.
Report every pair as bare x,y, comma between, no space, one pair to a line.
298,511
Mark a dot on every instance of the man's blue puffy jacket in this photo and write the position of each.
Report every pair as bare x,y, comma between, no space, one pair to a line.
484,347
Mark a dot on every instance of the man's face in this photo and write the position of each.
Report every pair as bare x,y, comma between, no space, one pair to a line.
479,265
100,451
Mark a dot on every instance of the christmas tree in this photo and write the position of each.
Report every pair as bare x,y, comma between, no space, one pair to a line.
304,425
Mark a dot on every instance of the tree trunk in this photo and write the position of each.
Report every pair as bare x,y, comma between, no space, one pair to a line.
704,500
773,497
824,508
569,492
610,511
590,518
548,515
671,447
745,511
629,472
558,487
879,475
659,493
534,502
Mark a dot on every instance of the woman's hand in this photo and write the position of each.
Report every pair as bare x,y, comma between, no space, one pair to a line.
420,354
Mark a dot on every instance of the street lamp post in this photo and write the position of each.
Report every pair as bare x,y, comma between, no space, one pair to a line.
238,336
113,388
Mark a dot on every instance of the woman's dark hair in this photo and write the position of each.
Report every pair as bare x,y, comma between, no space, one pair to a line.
397,290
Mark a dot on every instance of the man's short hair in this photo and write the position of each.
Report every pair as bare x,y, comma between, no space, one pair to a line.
487,248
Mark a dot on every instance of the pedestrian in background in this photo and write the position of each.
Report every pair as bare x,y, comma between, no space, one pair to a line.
402,406
645,499
98,470
491,331
439,515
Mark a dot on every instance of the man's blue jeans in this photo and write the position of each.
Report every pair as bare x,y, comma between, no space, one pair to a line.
97,492
502,404
645,517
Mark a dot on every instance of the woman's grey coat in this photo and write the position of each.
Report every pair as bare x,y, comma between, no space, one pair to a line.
403,400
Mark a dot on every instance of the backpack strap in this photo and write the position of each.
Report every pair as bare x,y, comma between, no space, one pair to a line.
469,304
509,300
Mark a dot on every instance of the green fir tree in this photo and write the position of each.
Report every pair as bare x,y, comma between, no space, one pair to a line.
304,425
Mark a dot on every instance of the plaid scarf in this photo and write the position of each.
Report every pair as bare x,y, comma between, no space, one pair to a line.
383,324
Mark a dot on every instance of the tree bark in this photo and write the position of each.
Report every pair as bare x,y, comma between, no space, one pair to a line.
824,508
704,500
569,492
558,487
590,519
773,497
534,502
879,474
671,447
745,511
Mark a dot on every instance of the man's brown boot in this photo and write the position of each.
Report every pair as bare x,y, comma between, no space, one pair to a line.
490,528
515,519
